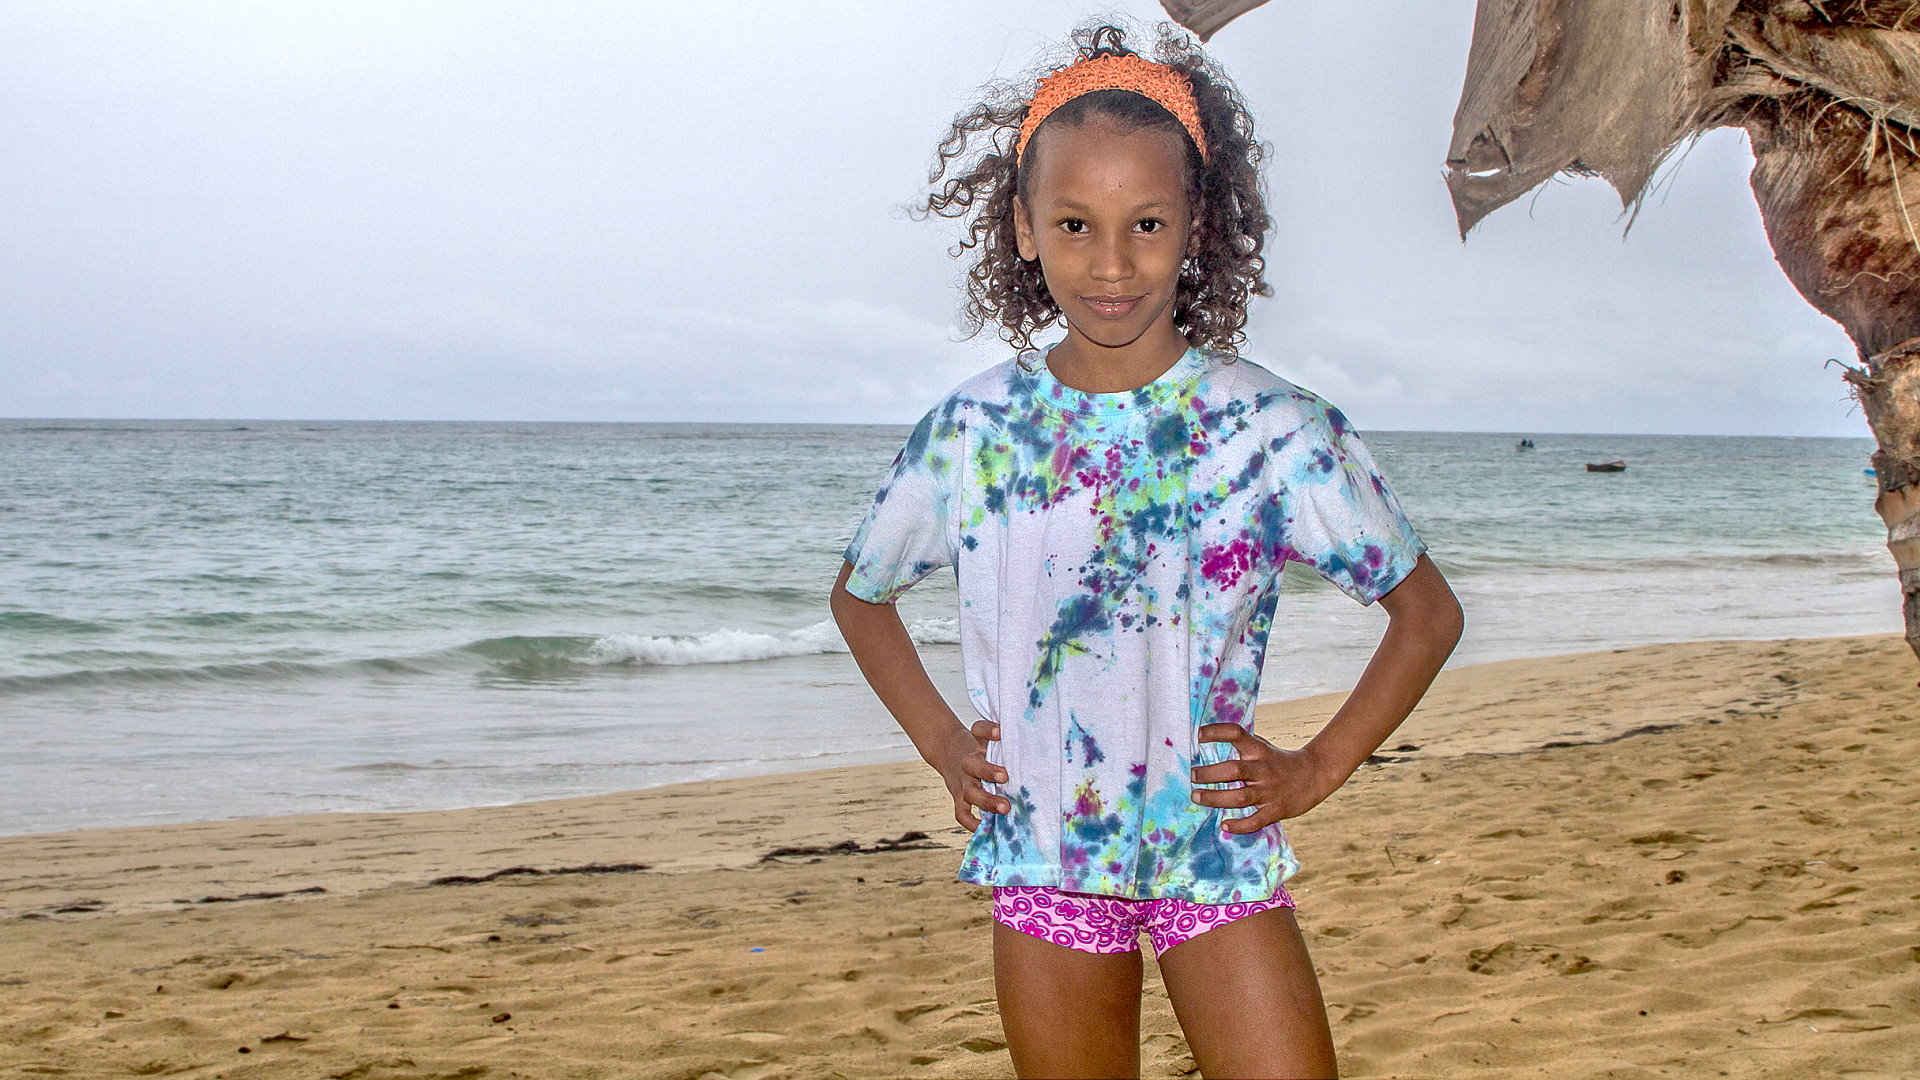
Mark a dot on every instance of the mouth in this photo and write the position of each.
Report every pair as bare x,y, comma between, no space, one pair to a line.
1111,307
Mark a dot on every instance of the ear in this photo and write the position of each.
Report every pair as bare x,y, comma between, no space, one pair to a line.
1023,230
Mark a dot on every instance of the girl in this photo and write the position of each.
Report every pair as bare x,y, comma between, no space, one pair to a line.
1117,509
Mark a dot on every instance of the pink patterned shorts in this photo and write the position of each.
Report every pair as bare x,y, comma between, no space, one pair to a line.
1112,924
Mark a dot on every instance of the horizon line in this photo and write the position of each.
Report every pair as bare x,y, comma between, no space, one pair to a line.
848,423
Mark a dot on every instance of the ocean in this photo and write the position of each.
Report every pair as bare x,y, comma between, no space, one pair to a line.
204,620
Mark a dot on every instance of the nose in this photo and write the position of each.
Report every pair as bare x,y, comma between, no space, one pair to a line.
1111,259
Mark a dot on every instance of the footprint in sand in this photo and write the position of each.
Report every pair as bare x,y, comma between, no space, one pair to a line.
1507,958
908,1015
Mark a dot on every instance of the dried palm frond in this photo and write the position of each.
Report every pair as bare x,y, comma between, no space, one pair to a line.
1203,17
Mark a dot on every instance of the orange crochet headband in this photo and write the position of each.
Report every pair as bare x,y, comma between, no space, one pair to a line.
1169,88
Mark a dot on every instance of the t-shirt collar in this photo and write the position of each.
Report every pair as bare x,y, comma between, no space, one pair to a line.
1169,387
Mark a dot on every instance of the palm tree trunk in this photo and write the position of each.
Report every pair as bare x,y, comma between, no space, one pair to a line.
1840,196
1888,387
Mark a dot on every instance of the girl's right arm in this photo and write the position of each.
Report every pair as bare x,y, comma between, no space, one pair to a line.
887,657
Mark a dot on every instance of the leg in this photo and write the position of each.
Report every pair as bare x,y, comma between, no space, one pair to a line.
1248,1000
1067,1013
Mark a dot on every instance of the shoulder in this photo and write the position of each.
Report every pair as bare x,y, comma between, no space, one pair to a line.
942,430
979,401
982,389
1274,403
993,386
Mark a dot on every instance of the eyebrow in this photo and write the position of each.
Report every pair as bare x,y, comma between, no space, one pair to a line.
1068,204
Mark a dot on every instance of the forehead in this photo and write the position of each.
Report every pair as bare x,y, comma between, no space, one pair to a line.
1101,162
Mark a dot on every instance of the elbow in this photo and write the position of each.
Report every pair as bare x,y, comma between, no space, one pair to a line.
843,605
1444,621
1423,603
1434,616
837,599
1453,621
1441,614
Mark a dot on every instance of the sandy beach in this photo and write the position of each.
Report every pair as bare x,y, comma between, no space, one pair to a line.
1676,860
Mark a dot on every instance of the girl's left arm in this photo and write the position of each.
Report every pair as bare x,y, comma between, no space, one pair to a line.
1424,622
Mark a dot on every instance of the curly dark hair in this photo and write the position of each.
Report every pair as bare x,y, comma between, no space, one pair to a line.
975,175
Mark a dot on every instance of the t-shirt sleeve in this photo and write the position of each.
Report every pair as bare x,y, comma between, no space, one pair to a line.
907,534
1341,518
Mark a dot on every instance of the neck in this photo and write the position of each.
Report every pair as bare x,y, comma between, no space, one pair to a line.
1093,368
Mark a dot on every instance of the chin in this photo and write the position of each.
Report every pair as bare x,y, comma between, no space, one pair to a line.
1109,335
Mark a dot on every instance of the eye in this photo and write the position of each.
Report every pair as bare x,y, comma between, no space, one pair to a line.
1073,225
1150,225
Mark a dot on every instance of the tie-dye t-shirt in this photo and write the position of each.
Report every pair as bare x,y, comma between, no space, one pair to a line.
1118,558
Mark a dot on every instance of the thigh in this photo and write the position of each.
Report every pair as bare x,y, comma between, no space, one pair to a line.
1248,1001
1066,1012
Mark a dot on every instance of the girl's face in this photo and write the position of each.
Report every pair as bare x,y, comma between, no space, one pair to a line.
1106,212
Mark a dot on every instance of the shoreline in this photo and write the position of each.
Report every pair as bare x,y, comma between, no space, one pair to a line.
1477,709
1728,895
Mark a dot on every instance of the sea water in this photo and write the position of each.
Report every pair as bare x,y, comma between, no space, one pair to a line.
205,620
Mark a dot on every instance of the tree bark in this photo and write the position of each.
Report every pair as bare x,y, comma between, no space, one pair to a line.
1888,387
1841,200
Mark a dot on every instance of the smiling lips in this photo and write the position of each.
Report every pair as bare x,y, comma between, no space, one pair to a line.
1111,307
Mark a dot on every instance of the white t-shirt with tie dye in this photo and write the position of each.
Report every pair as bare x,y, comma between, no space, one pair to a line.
1118,558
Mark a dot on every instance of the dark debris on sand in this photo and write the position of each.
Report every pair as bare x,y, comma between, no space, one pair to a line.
534,871
253,896
907,841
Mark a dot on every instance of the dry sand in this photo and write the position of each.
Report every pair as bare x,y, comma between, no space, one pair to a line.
1734,893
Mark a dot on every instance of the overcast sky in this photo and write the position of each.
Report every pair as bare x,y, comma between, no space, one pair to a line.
621,211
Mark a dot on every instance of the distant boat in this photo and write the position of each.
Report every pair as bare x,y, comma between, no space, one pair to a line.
1611,466
1524,444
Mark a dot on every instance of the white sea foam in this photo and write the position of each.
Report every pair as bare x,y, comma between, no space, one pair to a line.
935,630
729,646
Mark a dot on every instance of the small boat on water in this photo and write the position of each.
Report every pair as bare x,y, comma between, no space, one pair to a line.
1524,444
1611,466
